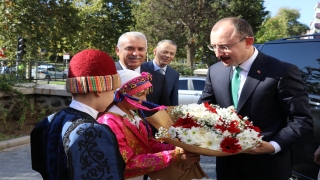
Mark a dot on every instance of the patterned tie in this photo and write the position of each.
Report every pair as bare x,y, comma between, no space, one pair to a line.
161,71
235,83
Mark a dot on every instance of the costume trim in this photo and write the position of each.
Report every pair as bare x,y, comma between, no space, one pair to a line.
89,84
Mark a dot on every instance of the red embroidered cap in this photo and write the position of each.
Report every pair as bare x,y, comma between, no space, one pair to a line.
92,71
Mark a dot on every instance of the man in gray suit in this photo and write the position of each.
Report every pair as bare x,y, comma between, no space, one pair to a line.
270,92
163,55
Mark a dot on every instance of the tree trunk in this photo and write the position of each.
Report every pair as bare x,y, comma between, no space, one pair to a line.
190,55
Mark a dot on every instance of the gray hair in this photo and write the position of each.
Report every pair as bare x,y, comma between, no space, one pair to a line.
133,34
167,41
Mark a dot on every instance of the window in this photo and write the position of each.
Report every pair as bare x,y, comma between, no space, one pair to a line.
183,84
198,85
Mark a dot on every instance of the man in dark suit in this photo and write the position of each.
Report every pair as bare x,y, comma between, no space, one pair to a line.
132,51
270,92
163,55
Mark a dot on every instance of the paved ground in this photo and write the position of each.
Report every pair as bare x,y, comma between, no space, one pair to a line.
15,164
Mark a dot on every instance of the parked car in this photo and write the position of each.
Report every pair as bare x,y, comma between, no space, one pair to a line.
190,89
12,68
305,54
48,72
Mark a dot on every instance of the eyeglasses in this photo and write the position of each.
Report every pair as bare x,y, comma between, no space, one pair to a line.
224,48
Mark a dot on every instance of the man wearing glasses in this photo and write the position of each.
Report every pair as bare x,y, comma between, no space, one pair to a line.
268,91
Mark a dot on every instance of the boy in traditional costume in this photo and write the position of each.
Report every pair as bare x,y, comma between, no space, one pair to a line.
74,145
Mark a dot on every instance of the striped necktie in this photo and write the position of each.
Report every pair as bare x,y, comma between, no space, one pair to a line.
160,71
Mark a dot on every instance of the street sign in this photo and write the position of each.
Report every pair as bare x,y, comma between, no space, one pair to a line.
66,56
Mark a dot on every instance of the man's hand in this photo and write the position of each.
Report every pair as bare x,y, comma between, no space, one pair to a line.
263,148
188,157
317,156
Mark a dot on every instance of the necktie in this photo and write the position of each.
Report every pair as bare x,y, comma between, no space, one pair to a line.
235,83
161,71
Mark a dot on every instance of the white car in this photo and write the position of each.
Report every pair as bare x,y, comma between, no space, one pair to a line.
190,89
48,72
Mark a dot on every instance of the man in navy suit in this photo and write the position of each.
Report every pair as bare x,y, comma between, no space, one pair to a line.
270,92
163,55
132,51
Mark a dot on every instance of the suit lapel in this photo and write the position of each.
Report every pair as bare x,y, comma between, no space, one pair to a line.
118,66
224,81
256,73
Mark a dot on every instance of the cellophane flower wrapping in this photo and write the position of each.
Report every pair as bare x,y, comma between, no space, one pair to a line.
211,127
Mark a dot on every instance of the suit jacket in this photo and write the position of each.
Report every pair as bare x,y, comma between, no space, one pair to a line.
141,154
275,99
172,79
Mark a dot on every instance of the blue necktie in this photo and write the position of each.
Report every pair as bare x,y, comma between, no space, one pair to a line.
235,83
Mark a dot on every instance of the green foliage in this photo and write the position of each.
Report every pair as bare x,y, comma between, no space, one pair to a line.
15,103
283,24
62,26
189,22
4,115
181,68
201,66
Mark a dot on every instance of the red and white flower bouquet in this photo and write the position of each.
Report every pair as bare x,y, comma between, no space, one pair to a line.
210,130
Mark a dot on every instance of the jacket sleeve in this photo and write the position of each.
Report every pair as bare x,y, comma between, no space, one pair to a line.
294,101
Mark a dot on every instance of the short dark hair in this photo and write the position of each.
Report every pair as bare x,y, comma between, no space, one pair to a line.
241,26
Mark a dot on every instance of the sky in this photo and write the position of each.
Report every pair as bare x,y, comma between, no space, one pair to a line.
305,7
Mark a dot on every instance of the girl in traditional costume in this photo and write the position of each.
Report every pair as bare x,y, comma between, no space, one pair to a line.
141,153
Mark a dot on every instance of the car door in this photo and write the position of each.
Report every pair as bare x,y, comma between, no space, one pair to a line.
198,86
185,96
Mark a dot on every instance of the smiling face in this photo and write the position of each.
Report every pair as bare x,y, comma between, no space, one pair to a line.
132,51
226,35
164,54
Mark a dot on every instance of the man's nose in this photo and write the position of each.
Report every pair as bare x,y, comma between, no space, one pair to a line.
218,53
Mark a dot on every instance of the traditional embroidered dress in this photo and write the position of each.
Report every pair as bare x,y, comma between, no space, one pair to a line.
142,154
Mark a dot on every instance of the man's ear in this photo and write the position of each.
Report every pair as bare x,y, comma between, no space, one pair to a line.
117,50
249,41
155,51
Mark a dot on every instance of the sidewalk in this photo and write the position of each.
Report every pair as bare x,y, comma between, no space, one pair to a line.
15,161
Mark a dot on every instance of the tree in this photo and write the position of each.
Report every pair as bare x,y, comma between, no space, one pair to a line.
103,21
189,22
44,23
283,24
59,26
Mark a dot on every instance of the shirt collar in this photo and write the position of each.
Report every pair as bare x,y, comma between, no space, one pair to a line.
124,67
136,119
84,108
156,67
248,63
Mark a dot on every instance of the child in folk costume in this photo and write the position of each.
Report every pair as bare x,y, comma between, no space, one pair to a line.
74,145
139,150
